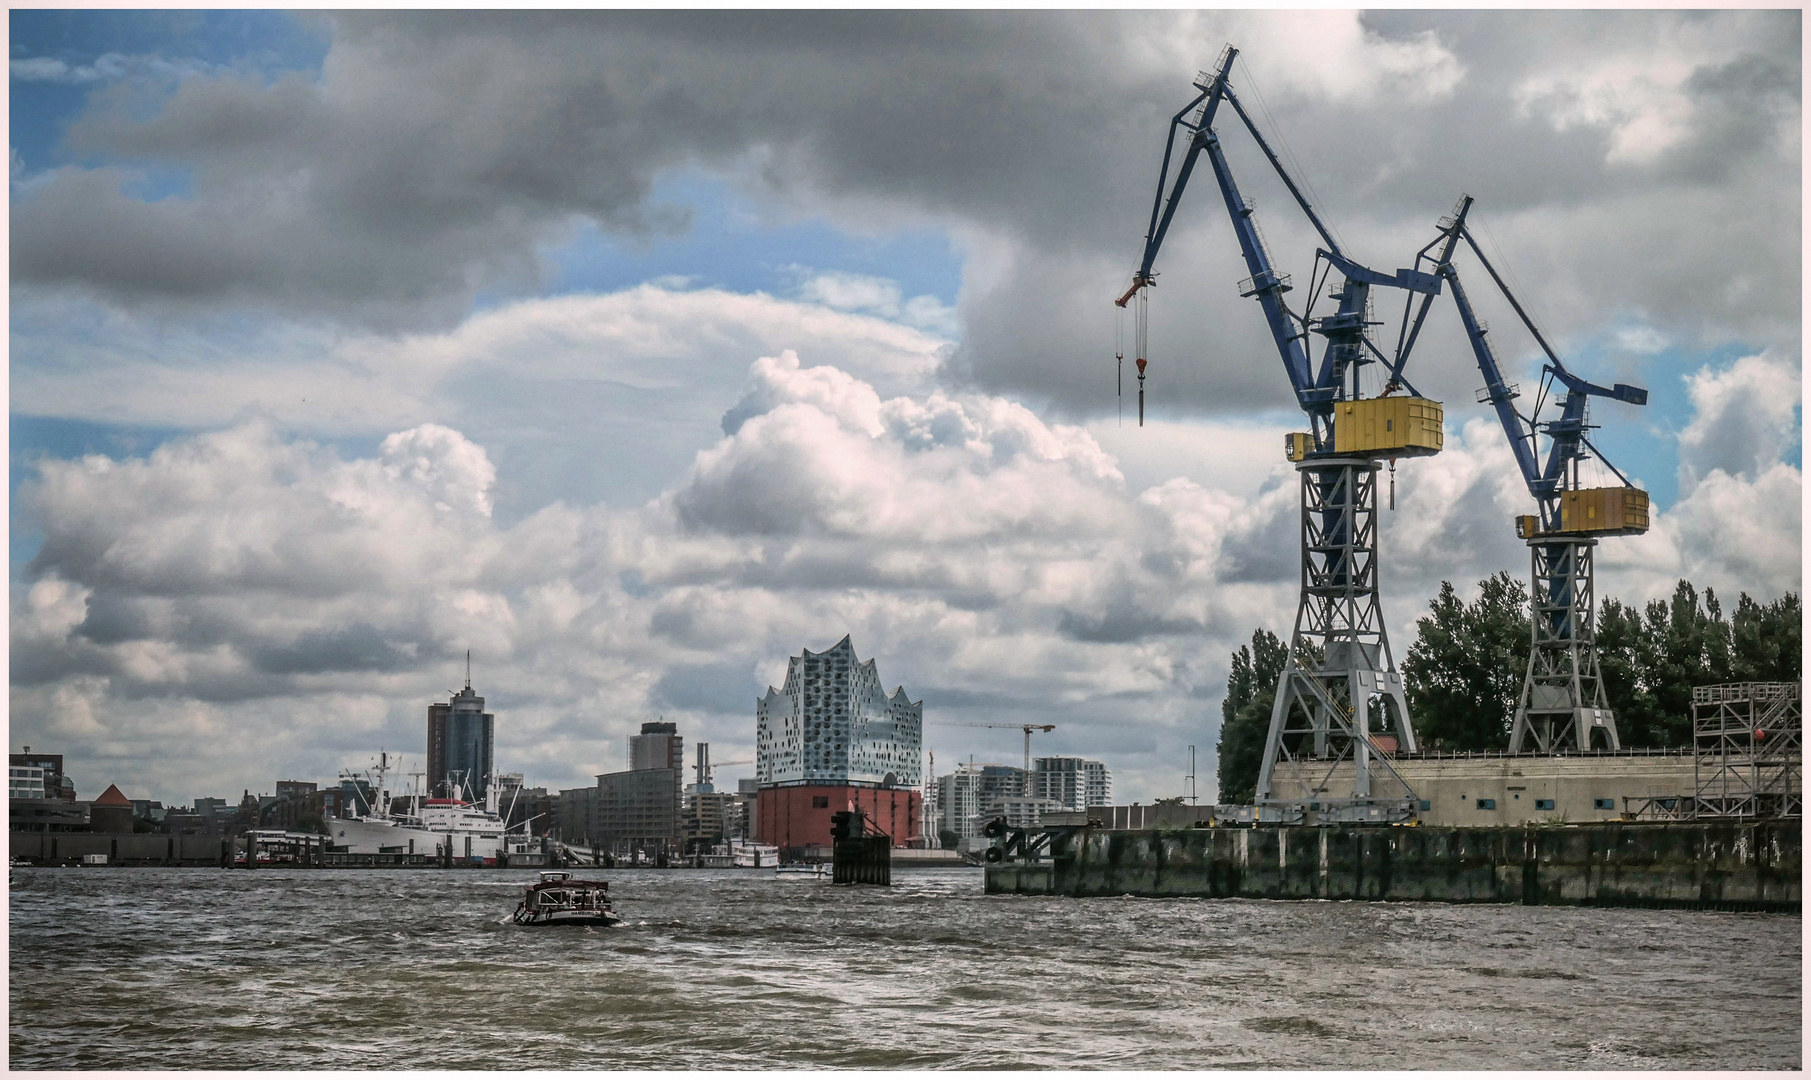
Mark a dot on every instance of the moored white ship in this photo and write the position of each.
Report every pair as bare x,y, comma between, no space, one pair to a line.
436,827
750,853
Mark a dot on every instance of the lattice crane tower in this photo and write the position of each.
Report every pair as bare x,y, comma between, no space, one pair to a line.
1340,697
1563,704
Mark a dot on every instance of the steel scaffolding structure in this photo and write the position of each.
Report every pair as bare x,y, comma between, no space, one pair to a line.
1749,750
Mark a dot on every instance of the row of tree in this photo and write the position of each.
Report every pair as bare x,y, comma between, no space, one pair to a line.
1463,674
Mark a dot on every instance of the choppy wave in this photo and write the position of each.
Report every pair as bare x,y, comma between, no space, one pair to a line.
205,968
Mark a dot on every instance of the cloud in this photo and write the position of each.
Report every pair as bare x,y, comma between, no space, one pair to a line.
107,66
879,296
1625,157
625,503
243,601
971,546
456,473
1745,418
582,397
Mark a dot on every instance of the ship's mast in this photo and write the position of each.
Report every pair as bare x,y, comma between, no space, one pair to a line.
382,791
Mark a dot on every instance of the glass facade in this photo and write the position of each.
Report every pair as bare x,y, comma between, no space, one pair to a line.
833,723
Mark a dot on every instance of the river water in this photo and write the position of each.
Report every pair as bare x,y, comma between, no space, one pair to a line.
730,969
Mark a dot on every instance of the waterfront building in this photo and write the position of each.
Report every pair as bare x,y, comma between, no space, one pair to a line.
1496,788
355,801
642,809
245,817
461,742
1072,783
638,811
295,789
709,816
576,811
46,815
24,782
832,739
659,746
149,810
740,822
183,821
207,817
528,807
297,803
964,795
1020,812
56,784
111,813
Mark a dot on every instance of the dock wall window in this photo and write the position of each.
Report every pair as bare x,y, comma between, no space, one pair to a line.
1604,804
1487,804
819,802
1543,804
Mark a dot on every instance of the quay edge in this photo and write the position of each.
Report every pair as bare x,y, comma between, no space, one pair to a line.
1752,866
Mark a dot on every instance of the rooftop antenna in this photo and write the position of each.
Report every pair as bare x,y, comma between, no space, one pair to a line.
468,671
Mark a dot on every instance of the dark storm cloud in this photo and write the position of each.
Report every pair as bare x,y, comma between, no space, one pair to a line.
437,151
711,688
359,647
113,618
1123,621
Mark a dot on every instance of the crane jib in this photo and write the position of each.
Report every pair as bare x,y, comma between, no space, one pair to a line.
1316,387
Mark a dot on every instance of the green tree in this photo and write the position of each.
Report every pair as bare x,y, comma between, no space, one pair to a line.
1693,650
1245,714
1463,674
1627,655
1768,640
1652,659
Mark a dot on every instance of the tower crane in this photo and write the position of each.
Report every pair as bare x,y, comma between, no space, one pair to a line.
1563,701
1026,728
1340,670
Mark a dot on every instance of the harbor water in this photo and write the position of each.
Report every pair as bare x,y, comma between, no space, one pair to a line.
730,969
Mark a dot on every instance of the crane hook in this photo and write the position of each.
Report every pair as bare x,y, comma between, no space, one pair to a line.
1392,483
1141,363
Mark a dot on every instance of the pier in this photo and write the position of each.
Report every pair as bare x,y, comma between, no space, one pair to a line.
1751,866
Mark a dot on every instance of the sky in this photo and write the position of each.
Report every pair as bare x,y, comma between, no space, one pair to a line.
636,351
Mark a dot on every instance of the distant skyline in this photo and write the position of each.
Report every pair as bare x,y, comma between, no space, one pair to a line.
637,350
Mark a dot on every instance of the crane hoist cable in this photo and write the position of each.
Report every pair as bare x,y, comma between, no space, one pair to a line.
1141,322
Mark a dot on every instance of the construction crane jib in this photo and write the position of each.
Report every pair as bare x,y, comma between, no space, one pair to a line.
1026,728
1340,699
1563,704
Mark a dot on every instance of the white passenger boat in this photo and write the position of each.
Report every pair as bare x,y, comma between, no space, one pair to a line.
815,870
749,853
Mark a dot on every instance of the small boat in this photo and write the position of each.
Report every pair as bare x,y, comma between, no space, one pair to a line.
808,869
559,899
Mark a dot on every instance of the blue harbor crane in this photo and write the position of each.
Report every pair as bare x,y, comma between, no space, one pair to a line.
1563,702
1340,696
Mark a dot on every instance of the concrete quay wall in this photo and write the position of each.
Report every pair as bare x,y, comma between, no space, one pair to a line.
121,849
1732,866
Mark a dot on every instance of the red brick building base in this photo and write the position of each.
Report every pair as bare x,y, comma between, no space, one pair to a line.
796,817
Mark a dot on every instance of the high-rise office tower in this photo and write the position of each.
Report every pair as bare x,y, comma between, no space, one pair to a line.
659,746
461,741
